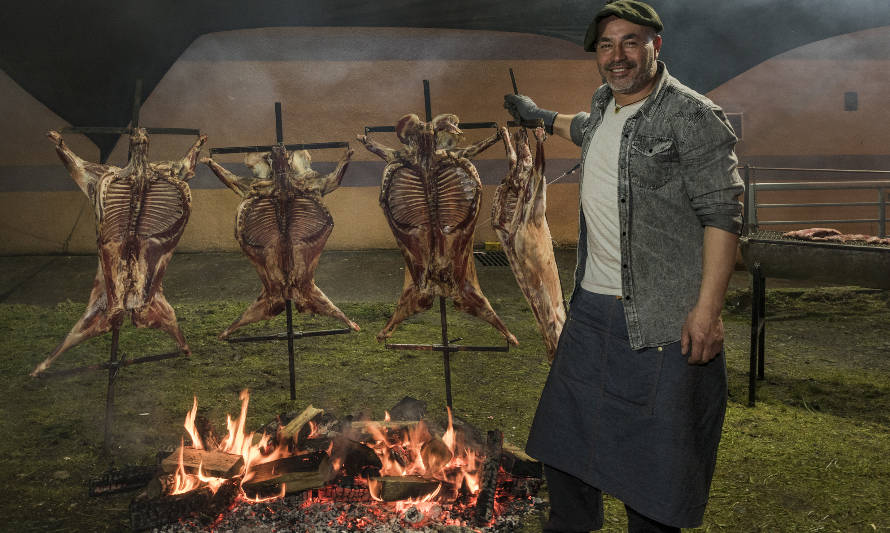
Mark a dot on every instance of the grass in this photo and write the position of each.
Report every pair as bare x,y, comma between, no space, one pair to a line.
812,456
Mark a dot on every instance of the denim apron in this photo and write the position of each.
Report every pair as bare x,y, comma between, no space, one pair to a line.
641,425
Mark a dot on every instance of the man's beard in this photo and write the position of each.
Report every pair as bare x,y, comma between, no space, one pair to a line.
637,82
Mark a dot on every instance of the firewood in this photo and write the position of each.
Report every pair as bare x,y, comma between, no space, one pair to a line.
292,429
213,463
435,454
360,432
408,408
394,488
209,440
296,463
356,458
293,481
203,504
485,499
518,463
122,479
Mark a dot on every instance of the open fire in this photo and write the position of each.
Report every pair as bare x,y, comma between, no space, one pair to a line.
409,472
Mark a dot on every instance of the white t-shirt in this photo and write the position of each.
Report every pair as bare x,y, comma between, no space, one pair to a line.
599,202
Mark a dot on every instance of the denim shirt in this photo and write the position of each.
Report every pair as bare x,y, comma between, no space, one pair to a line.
676,175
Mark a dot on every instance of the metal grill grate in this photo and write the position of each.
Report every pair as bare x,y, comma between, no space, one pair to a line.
492,258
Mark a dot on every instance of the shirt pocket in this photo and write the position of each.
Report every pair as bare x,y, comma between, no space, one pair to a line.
653,161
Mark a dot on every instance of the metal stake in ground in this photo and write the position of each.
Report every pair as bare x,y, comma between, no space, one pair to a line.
447,347
114,363
290,334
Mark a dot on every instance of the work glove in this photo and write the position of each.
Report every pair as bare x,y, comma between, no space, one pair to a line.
524,108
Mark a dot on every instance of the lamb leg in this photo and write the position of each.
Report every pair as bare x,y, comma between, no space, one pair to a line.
264,307
93,322
159,314
471,300
410,303
318,303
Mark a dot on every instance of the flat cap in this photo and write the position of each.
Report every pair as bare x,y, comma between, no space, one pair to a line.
633,10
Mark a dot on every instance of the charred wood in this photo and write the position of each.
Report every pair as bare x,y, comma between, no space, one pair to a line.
485,499
356,458
122,480
435,454
394,488
209,440
202,504
309,462
292,482
408,408
518,463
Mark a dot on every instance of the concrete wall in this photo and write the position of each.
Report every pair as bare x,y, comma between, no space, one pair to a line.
332,82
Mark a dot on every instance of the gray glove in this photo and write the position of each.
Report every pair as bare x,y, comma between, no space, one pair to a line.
524,108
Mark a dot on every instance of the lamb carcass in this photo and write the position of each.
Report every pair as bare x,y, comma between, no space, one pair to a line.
141,211
282,226
430,196
518,219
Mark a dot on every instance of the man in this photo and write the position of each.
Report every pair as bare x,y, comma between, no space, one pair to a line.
635,399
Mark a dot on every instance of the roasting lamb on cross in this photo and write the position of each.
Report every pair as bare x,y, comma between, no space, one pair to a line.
141,212
518,219
430,197
282,226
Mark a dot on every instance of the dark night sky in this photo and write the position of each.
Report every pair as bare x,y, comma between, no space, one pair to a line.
80,58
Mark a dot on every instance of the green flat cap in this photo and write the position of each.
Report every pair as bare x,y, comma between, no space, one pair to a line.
637,12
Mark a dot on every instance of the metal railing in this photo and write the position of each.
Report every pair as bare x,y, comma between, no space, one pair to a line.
752,187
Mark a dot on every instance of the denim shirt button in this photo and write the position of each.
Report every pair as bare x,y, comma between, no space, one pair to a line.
623,200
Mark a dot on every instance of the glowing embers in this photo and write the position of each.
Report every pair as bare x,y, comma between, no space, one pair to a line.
385,472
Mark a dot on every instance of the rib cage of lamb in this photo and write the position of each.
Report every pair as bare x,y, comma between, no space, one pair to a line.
141,211
518,218
430,197
282,226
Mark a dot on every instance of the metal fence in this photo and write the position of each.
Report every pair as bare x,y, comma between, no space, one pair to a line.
814,179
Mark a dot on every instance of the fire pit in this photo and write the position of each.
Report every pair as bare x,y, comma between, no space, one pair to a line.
309,471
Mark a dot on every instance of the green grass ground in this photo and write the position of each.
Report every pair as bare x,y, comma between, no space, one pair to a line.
812,456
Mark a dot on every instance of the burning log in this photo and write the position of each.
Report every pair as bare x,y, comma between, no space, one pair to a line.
212,462
206,433
485,499
309,462
359,430
435,454
295,427
408,408
122,480
202,504
394,488
293,481
357,459
518,463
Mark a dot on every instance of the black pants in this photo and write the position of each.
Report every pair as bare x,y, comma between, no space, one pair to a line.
577,507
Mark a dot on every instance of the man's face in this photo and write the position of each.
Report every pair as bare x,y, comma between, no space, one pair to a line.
626,54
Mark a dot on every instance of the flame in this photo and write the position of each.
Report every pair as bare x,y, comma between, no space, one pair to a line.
237,442
407,451
190,425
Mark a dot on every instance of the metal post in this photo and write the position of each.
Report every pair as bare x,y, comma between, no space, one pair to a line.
426,100
279,129
109,394
882,212
446,353
290,350
756,319
761,344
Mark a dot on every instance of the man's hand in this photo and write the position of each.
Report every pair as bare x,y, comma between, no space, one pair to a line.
702,336
524,108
